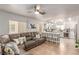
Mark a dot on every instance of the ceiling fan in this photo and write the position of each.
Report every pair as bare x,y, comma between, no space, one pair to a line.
38,10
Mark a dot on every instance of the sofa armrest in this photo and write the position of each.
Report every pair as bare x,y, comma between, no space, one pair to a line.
0,49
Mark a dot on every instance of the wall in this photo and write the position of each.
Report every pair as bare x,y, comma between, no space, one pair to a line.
78,30
71,24
22,27
33,21
6,16
4,21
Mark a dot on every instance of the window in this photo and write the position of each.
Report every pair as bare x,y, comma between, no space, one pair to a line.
13,26
16,27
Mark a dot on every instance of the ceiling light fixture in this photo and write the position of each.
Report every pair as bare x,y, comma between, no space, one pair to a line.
36,12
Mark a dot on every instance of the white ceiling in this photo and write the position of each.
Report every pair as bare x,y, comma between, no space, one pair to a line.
52,10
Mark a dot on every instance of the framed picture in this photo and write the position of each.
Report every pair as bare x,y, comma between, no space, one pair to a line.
32,26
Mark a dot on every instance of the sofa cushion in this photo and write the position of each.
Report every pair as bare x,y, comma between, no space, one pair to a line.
29,43
14,36
24,34
37,36
16,41
29,38
22,40
4,38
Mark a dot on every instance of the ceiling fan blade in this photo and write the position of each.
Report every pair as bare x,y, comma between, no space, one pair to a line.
37,7
42,13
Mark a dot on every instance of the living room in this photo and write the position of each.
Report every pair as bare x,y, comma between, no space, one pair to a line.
34,29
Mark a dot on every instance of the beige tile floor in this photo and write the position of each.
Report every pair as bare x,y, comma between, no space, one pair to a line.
66,47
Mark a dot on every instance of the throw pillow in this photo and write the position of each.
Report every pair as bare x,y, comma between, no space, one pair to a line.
37,36
16,41
22,40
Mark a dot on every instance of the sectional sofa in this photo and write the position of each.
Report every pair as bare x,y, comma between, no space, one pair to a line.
30,42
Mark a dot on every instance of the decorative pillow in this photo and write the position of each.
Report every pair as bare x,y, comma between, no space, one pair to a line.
14,47
16,41
37,36
8,51
22,40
